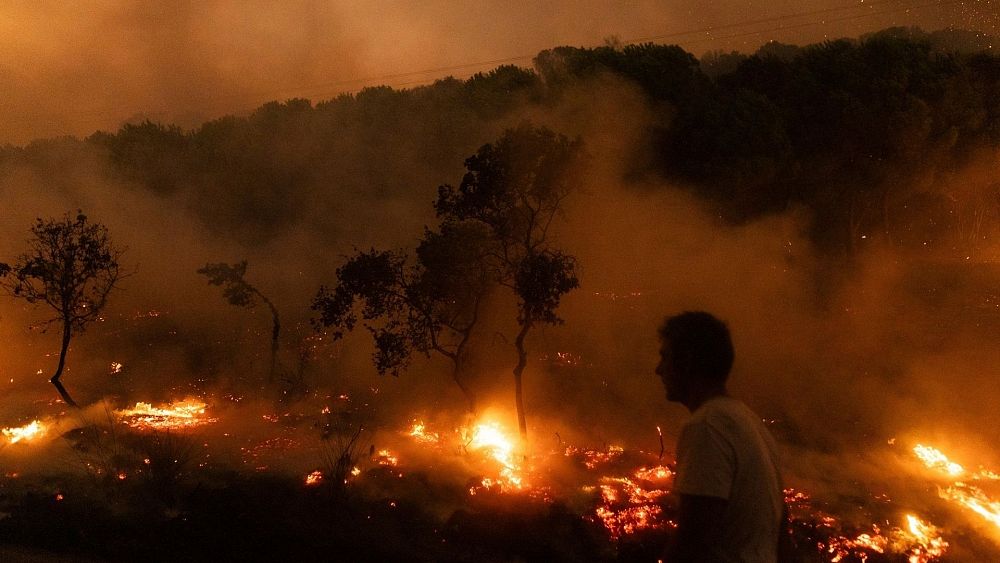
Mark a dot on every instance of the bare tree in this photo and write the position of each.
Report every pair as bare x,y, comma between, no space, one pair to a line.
71,266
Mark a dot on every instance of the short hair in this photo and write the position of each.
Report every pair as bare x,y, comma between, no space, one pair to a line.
703,340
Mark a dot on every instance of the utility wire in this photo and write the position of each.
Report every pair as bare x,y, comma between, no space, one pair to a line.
938,3
508,60
393,79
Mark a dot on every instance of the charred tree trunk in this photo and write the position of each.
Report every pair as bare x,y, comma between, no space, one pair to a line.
458,374
54,380
522,361
275,334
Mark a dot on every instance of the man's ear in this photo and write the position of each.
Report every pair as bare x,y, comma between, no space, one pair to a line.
683,362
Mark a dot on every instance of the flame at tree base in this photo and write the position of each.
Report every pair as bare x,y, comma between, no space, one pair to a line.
490,438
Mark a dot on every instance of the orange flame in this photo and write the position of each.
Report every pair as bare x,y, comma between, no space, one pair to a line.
26,433
919,541
930,544
419,432
968,496
188,413
934,459
489,436
385,457
314,478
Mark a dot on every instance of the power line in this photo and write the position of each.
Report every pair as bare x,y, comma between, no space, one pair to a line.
835,20
765,20
508,60
324,88
762,31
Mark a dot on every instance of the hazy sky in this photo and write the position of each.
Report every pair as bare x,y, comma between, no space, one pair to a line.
72,68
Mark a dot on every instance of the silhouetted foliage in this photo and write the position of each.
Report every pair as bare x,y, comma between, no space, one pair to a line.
238,292
861,133
150,154
432,305
71,266
665,72
514,189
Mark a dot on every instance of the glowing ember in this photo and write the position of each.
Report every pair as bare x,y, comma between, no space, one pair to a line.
627,508
314,478
593,458
490,437
188,413
841,547
630,520
919,542
26,433
260,455
562,359
385,457
658,473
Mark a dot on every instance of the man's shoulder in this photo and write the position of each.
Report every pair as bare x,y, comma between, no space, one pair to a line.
721,408
725,415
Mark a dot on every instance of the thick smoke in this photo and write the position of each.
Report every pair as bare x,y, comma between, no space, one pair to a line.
841,353
72,69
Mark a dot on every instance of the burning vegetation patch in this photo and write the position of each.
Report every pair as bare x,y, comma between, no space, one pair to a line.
25,434
961,491
488,486
180,415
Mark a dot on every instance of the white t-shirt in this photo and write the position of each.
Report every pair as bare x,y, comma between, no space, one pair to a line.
725,451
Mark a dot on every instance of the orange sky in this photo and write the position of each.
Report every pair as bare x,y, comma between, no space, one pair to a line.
72,68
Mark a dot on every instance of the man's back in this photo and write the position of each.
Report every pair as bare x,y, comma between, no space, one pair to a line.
725,452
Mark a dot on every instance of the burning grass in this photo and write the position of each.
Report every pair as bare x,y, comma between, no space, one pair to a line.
477,485
961,492
27,433
916,540
178,415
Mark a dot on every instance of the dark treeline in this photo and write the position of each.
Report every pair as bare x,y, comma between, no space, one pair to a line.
874,137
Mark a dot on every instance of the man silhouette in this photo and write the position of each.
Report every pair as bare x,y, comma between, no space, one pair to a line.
731,503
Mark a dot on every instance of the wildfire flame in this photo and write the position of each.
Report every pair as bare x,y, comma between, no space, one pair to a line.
489,436
314,478
188,413
627,507
964,494
975,500
385,457
930,543
26,433
658,473
919,541
419,432
934,459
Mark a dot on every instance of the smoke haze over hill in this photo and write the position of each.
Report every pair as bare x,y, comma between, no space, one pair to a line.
74,69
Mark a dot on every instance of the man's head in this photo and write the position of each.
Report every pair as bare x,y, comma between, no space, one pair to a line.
696,354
